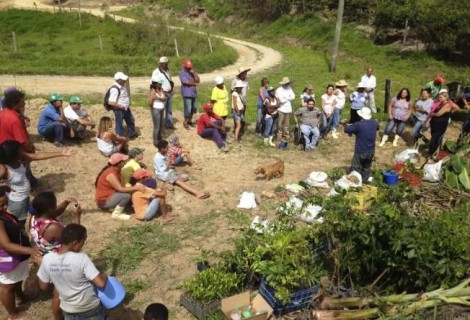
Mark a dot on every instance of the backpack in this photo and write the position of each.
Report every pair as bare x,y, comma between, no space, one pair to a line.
106,97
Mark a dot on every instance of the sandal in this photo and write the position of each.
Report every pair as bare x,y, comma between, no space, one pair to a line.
186,126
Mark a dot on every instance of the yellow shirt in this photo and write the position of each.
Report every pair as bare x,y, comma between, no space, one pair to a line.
127,171
220,96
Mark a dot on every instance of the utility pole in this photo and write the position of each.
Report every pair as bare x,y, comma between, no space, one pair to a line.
339,23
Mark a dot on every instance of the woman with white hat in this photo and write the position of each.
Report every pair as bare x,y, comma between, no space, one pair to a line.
285,95
238,108
358,101
157,100
340,93
219,98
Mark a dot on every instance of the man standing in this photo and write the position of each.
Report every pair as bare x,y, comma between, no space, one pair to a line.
163,72
78,118
370,82
309,117
189,81
364,150
285,95
52,124
121,104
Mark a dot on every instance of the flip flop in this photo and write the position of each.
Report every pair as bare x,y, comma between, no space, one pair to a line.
205,195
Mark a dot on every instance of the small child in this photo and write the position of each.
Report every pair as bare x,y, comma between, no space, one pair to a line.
74,276
177,154
156,311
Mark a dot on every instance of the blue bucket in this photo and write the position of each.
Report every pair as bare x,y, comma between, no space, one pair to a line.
390,177
112,294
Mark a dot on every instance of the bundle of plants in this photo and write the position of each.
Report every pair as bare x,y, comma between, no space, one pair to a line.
392,305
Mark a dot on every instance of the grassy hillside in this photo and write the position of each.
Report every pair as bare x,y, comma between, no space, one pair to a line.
56,44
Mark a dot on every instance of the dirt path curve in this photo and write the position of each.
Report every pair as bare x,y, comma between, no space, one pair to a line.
251,55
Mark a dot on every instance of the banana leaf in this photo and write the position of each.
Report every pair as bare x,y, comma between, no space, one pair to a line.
451,146
457,164
452,180
464,179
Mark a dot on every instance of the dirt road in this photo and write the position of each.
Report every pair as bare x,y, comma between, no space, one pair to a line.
250,55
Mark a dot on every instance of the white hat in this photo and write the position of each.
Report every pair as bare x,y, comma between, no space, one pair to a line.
218,80
361,85
239,84
365,113
163,60
285,80
443,91
120,76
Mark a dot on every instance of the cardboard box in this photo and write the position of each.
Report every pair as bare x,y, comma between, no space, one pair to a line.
241,301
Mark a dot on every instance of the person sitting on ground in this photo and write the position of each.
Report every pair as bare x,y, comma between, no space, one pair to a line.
309,119
136,155
108,142
13,173
13,243
210,125
156,311
110,194
161,163
77,118
52,124
177,154
147,203
74,276
364,150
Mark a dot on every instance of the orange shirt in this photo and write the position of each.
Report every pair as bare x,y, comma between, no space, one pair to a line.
104,190
140,201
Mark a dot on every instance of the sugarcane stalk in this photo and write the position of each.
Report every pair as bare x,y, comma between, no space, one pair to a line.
346,315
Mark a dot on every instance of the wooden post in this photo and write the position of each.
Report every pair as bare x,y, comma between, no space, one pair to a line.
101,43
405,33
388,90
210,44
128,83
339,22
15,43
79,13
176,48
168,29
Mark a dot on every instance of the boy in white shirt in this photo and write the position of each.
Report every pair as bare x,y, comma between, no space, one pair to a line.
77,118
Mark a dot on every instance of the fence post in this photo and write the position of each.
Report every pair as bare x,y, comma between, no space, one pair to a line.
101,43
176,48
79,13
15,43
210,43
388,90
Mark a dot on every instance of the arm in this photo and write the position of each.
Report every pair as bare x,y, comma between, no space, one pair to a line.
282,98
87,121
446,108
390,106
62,115
115,138
11,247
160,193
116,184
350,129
151,97
100,281
62,206
47,155
195,76
235,104
113,98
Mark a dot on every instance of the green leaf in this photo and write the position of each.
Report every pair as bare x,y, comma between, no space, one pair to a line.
457,164
464,178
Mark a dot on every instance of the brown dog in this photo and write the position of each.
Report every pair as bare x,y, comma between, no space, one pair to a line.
269,171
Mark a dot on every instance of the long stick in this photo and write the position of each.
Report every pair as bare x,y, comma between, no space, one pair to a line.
176,48
79,13
15,43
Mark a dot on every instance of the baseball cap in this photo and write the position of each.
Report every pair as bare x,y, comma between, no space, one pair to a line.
208,106
120,76
141,173
219,80
163,60
135,151
75,99
116,158
56,97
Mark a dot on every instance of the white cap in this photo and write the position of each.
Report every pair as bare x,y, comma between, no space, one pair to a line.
218,80
361,85
120,76
365,113
443,91
163,60
239,84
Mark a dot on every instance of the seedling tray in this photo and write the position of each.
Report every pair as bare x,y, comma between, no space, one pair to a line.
199,310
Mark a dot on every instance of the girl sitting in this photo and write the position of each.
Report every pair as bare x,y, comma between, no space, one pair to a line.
108,141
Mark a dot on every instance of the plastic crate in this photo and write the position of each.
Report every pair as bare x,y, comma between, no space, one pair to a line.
300,299
200,311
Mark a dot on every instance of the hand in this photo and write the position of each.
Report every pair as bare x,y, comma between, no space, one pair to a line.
68,152
390,118
77,210
36,255
71,199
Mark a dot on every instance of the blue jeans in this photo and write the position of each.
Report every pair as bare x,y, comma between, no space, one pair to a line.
124,115
189,106
56,131
211,132
307,131
392,123
237,117
418,124
169,112
152,209
268,127
325,124
336,117
259,120
157,119
98,313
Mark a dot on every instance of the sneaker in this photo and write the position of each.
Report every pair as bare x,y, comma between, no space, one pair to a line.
120,216
371,179
224,149
334,135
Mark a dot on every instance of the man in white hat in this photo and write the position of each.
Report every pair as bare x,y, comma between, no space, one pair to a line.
370,83
121,104
285,95
364,149
163,72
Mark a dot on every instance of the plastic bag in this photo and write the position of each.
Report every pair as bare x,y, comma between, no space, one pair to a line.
352,180
408,154
433,172
247,200
259,225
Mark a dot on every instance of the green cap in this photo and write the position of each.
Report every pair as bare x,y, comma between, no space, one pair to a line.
56,97
270,89
75,99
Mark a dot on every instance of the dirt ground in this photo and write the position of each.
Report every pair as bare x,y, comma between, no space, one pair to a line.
225,176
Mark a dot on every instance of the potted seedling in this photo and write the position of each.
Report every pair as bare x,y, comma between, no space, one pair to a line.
202,261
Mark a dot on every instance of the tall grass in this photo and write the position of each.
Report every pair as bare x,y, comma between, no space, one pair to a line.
56,44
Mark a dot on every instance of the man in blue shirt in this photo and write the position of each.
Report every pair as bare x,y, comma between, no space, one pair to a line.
52,123
364,149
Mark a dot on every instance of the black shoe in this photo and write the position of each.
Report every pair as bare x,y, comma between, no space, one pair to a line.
134,136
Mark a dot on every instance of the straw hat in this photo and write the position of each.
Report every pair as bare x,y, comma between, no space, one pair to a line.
341,83
285,80
242,69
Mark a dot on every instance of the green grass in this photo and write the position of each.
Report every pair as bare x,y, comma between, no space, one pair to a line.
54,43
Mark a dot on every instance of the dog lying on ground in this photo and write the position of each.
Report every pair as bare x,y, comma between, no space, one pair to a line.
269,171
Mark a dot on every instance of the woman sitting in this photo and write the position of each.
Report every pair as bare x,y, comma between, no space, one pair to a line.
108,142
110,194
399,111
14,244
147,203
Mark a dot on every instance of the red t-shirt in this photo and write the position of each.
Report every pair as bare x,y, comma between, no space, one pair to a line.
205,120
104,190
12,127
173,153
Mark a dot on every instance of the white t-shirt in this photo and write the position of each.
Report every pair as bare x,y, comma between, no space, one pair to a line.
370,82
327,103
340,99
71,273
73,115
157,73
245,88
123,96
160,166
158,104
285,97
236,96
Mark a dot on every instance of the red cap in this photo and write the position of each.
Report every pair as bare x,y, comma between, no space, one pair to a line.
187,63
116,158
141,173
439,79
207,106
